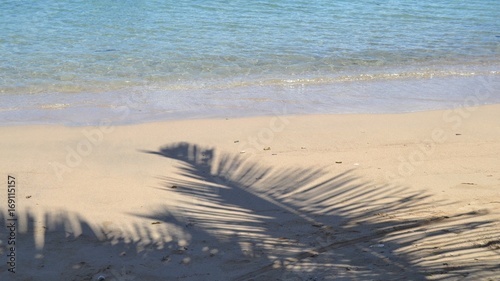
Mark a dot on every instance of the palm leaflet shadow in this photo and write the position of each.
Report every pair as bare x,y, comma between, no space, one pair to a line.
296,223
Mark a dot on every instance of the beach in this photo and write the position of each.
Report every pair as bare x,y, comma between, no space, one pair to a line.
236,140
410,196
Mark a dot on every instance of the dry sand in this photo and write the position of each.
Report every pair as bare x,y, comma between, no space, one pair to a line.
334,197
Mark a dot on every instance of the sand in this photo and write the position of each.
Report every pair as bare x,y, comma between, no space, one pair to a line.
323,197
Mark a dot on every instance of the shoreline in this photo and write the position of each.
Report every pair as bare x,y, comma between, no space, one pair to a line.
153,104
217,198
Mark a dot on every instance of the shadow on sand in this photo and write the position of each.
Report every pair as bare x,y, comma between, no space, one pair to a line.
305,223
235,219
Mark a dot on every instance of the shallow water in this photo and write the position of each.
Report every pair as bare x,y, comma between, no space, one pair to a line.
88,60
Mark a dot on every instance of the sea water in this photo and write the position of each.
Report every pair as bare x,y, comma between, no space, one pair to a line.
81,62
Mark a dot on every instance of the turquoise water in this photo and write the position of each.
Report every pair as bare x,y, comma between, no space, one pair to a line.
81,60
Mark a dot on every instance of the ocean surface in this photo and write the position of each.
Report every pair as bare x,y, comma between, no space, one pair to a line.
81,62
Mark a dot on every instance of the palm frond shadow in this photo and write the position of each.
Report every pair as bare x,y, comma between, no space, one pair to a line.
61,245
285,222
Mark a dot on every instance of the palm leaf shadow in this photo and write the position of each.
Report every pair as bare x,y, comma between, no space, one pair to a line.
61,245
268,215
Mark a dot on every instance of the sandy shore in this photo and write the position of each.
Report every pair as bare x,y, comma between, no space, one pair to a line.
334,197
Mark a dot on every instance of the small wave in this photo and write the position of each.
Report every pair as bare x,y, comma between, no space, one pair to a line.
320,80
54,106
8,109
